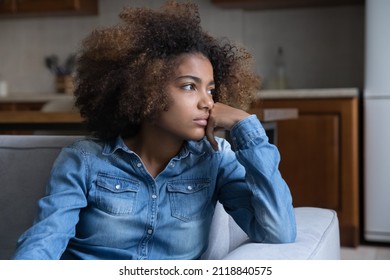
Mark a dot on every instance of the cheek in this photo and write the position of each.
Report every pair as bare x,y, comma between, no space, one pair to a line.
175,116
176,119
168,118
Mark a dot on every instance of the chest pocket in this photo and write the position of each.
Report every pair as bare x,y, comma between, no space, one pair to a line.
116,195
188,198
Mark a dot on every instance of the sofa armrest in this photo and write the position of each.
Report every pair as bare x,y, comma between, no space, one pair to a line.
317,238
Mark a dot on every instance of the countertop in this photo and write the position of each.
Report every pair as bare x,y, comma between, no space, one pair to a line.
35,97
309,93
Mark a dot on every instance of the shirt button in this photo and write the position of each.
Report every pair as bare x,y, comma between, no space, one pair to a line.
189,188
154,196
172,164
118,187
150,231
139,164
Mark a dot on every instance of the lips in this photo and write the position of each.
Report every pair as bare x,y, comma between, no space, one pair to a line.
202,121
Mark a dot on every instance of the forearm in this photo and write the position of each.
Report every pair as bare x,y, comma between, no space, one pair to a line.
58,211
269,214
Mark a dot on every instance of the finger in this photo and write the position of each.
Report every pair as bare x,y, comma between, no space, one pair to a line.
210,136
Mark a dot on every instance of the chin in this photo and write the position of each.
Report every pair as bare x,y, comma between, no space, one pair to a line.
196,137
196,134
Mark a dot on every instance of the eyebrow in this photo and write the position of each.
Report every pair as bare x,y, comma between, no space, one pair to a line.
196,79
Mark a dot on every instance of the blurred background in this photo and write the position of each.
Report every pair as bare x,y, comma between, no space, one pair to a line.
325,90
322,46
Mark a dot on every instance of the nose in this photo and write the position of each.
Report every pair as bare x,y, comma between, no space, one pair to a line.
206,101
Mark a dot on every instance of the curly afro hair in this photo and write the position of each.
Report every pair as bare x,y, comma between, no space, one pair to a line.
122,70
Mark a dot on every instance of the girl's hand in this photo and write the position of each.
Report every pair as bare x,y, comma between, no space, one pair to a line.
222,117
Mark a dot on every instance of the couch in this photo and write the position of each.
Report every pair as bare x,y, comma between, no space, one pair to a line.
25,163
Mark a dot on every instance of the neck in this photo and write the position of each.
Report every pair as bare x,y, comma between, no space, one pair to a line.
154,147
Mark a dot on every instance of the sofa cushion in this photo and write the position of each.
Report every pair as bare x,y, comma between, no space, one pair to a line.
317,238
25,164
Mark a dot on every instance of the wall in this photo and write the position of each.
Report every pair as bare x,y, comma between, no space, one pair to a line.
323,46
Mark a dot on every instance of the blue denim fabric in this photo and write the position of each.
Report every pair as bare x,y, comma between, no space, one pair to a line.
101,202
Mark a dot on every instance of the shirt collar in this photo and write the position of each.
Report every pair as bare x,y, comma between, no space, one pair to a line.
194,147
110,147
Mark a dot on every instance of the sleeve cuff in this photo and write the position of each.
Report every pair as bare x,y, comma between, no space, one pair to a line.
246,131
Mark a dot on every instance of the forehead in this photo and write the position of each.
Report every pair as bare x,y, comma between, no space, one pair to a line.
193,63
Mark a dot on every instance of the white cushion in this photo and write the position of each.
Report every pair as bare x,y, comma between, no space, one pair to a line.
317,238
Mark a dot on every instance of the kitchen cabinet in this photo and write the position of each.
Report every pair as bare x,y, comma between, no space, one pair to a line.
7,6
48,7
281,4
10,106
27,117
21,106
36,122
319,156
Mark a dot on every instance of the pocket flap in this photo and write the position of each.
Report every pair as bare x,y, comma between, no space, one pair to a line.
187,186
117,184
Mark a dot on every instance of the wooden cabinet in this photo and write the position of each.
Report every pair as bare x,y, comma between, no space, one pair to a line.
281,4
7,6
27,117
17,107
21,106
48,7
319,157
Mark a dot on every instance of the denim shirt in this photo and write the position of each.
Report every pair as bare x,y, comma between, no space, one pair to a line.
102,203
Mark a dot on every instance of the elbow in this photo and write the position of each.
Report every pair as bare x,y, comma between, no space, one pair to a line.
284,231
285,234
285,237
290,237
277,235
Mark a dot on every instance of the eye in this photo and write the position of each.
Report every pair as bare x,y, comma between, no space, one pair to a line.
211,91
188,87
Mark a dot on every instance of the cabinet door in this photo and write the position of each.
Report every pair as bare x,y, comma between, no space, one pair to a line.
7,6
48,7
21,106
319,157
28,6
310,151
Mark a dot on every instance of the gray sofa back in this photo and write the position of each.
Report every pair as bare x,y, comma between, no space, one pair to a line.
25,164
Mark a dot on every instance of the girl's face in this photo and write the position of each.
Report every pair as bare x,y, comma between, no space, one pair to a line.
190,90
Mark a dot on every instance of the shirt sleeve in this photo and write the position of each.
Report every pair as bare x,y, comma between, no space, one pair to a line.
58,211
251,187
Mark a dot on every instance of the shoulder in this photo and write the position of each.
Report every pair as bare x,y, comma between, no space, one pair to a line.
86,145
